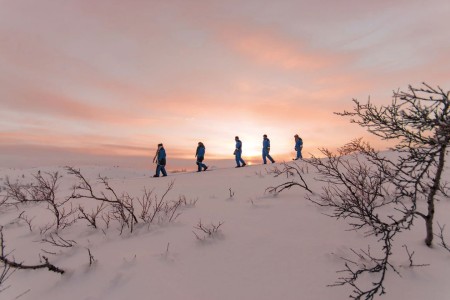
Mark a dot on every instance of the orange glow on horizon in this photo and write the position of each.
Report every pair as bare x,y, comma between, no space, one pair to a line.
85,79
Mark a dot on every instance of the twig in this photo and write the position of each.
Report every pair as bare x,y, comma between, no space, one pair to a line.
410,257
91,257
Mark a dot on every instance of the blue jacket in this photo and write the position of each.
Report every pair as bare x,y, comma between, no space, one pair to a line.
161,154
239,146
298,144
266,144
200,151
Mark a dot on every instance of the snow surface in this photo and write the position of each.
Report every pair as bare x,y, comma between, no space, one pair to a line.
269,247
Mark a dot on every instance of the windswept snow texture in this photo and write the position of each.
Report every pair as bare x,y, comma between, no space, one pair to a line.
269,246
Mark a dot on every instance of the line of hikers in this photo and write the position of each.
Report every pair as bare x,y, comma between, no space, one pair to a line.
160,157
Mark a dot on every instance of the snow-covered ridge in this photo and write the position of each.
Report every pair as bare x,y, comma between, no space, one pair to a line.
268,246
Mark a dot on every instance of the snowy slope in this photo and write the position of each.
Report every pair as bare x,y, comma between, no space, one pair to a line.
269,247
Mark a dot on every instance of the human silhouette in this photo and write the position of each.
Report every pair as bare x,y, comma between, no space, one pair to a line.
200,154
160,159
238,153
266,150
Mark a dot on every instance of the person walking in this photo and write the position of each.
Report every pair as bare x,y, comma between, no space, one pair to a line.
160,160
298,146
238,153
266,150
200,154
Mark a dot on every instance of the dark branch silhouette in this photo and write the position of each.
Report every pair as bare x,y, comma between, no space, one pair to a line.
13,264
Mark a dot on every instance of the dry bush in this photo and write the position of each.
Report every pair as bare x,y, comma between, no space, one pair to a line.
121,208
292,170
42,190
124,209
205,232
380,195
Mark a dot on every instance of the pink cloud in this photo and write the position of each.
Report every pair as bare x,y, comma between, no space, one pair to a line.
131,74
267,47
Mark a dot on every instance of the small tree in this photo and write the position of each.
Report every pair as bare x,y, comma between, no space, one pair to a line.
358,187
378,194
419,120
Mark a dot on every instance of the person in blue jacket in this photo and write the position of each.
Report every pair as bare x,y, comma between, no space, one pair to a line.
200,154
266,150
298,146
238,153
160,159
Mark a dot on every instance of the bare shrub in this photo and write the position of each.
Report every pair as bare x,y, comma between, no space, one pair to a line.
152,206
146,202
205,232
419,121
122,206
159,210
125,209
289,170
381,195
231,193
357,190
42,190
187,203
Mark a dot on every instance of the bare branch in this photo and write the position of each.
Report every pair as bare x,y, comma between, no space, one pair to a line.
209,231
13,264
123,209
25,218
410,258
368,264
379,194
56,240
290,170
440,235
91,257
93,215
5,274
42,190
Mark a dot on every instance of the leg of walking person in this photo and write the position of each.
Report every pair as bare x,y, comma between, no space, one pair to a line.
238,159
163,170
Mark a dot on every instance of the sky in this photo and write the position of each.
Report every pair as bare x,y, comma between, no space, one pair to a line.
103,82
